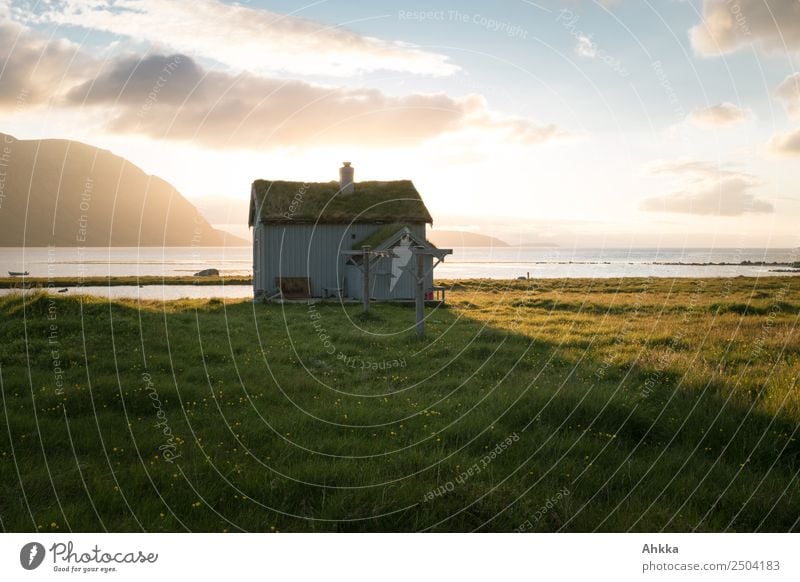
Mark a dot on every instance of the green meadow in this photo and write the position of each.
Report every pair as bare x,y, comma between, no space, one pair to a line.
557,405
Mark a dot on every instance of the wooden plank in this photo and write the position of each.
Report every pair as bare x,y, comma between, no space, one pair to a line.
367,260
420,294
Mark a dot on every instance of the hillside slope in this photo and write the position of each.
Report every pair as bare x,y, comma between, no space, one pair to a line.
66,193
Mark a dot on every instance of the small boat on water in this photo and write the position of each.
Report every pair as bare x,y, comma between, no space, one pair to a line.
18,274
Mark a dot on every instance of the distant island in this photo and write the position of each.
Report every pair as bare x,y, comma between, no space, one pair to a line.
459,238
66,193
456,238
538,245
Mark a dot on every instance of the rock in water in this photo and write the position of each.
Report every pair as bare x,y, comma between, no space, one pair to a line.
207,273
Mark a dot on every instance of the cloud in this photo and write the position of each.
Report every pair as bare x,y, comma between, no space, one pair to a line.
772,24
244,38
175,97
586,47
786,144
719,115
708,190
172,96
32,68
692,168
726,197
144,80
514,129
789,92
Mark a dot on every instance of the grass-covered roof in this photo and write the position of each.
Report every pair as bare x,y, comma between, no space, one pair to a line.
379,236
321,202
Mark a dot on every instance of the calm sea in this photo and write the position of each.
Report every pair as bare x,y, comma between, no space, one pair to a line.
488,262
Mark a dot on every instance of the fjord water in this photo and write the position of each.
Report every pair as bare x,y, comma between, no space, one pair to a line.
549,263
466,262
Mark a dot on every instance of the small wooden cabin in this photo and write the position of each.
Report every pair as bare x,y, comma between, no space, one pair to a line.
307,237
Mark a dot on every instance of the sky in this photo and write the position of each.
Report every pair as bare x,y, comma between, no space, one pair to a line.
646,123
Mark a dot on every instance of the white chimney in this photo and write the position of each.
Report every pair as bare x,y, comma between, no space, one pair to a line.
346,178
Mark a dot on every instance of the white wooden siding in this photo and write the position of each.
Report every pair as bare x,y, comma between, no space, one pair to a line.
306,250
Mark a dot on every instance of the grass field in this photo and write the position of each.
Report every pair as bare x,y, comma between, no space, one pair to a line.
560,405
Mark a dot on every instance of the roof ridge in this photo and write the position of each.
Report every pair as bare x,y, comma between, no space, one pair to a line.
389,201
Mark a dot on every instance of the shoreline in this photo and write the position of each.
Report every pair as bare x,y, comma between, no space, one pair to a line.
44,283
119,281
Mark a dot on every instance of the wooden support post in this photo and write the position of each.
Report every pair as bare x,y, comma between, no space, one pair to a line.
367,258
420,278
420,275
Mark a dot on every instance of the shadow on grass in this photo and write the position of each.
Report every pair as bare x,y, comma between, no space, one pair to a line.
275,422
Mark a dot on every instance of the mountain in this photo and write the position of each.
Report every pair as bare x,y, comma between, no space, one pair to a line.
66,193
456,238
